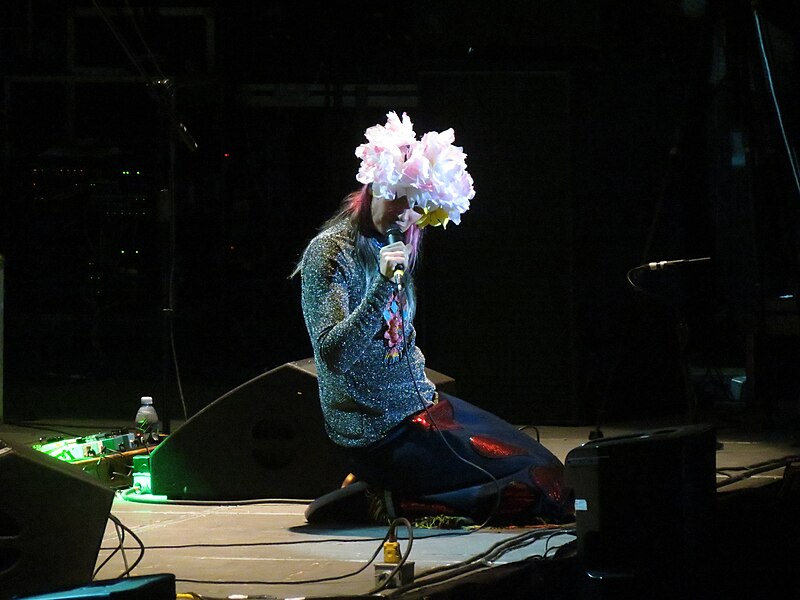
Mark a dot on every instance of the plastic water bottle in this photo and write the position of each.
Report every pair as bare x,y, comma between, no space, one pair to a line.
147,418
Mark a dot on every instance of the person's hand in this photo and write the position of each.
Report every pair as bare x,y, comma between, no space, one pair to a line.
392,256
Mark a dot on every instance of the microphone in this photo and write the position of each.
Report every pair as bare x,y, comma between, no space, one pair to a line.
658,266
393,234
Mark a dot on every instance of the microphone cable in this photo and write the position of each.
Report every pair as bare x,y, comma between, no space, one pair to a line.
424,404
791,156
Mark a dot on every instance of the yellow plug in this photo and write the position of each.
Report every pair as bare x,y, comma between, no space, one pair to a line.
391,573
391,552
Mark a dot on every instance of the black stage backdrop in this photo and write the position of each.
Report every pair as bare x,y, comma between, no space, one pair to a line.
592,132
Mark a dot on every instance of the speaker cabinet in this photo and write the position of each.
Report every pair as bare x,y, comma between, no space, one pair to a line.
644,506
52,521
263,439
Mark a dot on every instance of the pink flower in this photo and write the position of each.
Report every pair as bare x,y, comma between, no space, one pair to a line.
431,172
441,174
383,156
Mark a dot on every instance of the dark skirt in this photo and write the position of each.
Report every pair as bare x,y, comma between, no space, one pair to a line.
457,458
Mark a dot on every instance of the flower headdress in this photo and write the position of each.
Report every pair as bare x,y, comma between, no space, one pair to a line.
431,172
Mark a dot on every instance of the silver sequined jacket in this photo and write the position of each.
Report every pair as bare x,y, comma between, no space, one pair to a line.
362,395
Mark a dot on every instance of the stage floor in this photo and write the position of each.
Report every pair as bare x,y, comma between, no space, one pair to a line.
272,546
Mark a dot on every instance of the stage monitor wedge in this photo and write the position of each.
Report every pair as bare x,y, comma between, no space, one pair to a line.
52,521
263,439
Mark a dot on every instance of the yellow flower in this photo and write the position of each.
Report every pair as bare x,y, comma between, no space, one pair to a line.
434,218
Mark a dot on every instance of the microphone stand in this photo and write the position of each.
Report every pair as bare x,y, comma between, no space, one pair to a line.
681,330
166,230
167,235
162,92
681,338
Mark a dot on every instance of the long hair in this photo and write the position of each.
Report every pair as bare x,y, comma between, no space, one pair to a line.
356,208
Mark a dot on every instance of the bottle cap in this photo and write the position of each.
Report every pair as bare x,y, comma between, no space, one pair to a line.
147,400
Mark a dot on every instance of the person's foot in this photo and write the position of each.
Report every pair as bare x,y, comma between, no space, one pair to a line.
443,522
381,506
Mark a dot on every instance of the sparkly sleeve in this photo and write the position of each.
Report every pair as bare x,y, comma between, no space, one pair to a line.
339,336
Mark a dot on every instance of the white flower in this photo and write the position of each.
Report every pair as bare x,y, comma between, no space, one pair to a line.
383,156
431,172
437,171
